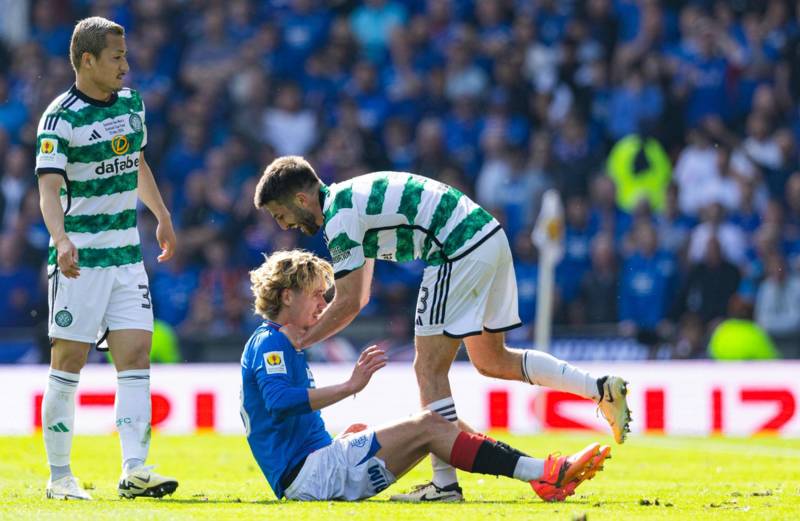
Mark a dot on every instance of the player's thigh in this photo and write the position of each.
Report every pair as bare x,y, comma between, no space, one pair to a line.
130,348
77,305
502,306
435,353
68,355
347,469
129,318
491,357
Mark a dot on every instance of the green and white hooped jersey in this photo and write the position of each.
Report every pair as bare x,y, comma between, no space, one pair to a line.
400,217
95,146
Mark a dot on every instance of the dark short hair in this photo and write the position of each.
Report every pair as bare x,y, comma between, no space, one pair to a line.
89,36
283,178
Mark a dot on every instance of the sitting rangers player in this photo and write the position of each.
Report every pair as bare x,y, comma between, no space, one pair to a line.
280,411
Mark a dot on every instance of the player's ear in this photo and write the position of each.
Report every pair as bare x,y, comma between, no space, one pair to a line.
286,296
87,60
301,199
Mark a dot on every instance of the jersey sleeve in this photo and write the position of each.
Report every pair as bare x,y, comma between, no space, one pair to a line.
52,144
344,234
272,372
144,124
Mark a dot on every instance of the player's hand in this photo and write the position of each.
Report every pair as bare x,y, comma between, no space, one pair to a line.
67,258
165,236
294,334
371,359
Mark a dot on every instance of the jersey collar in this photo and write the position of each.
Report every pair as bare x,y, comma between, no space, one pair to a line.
91,101
324,192
273,325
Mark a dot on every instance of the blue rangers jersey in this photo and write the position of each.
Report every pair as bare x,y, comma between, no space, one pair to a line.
280,425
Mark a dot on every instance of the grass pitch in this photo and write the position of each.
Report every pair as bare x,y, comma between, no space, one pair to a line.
647,478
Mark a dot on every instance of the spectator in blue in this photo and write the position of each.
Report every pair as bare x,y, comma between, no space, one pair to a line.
701,77
632,103
746,214
403,78
708,288
757,59
600,285
304,29
673,226
155,88
242,21
49,30
462,130
605,216
577,244
172,287
551,21
18,285
373,22
13,113
463,76
399,146
494,33
210,58
526,269
15,182
576,157
645,285
365,91
185,155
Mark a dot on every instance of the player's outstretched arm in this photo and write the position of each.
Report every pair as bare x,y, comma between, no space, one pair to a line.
151,197
53,213
352,294
372,359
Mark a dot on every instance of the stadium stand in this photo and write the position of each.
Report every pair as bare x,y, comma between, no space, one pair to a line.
669,127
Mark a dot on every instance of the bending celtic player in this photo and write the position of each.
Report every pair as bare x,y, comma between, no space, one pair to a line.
91,167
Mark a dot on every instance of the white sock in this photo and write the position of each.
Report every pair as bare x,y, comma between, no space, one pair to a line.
132,411
58,419
543,369
443,473
528,469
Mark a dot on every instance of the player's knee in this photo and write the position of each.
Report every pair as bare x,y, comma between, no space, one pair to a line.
430,422
488,368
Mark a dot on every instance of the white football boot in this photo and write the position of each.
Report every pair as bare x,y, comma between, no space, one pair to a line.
66,488
614,406
143,482
429,492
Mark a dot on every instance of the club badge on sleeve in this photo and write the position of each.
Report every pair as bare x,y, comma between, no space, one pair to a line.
275,363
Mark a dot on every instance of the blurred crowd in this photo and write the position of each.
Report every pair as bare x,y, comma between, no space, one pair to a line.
669,127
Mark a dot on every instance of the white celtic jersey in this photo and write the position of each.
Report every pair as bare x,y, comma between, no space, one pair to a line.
95,146
400,217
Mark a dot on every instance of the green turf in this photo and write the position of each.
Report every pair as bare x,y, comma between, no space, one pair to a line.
647,478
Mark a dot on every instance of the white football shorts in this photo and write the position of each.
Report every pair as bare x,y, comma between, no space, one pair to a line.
99,300
347,469
474,293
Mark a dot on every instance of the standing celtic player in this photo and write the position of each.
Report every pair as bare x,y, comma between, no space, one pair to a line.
468,293
91,167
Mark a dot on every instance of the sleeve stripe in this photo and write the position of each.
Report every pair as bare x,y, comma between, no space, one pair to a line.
51,170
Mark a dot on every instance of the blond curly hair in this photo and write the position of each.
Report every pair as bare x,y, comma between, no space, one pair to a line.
288,269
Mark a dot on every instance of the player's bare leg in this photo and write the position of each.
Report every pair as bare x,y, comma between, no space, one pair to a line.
67,358
432,361
405,442
130,349
491,357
